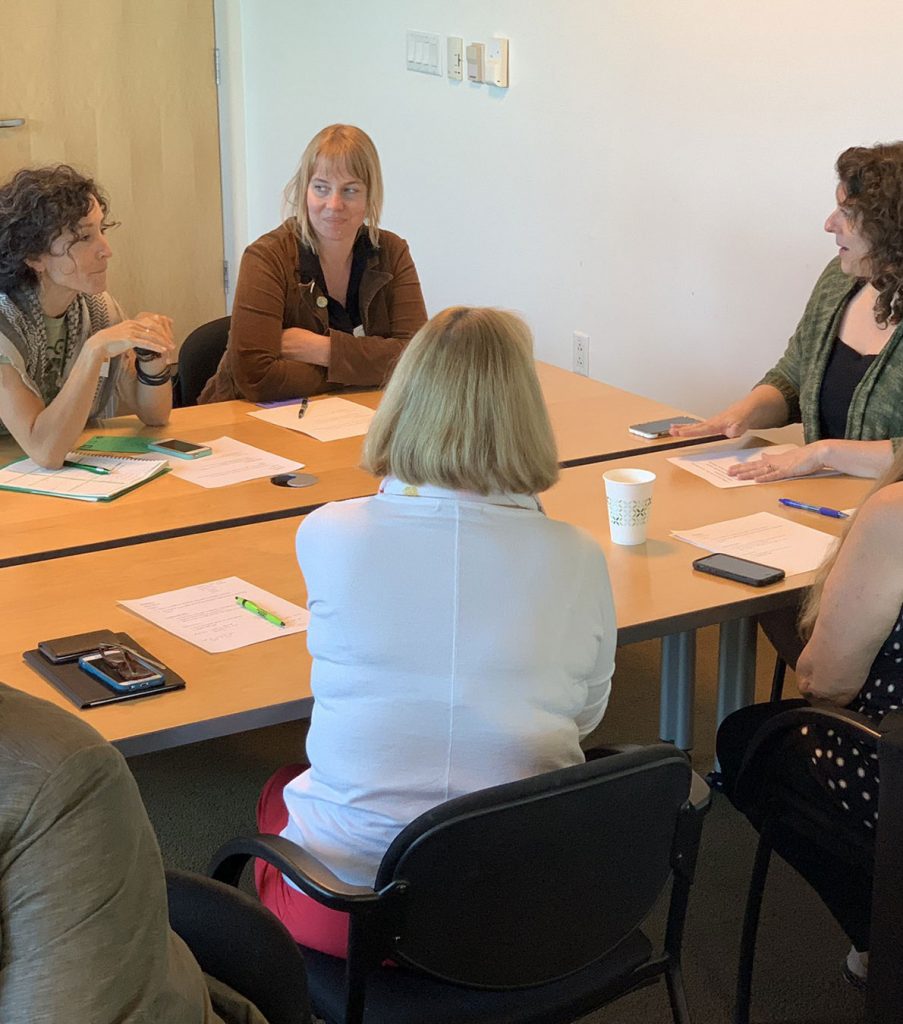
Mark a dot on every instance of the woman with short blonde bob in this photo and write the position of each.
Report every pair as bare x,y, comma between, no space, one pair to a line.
460,639
327,299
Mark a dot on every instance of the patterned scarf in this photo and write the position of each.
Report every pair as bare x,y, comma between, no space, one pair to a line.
86,315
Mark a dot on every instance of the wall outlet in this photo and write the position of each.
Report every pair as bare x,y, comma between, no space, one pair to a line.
581,353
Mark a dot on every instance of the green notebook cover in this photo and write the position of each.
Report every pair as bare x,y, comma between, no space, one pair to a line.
122,443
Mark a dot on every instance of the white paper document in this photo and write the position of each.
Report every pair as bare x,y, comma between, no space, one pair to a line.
326,419
766,538
208,616
713,466
232,462
119,475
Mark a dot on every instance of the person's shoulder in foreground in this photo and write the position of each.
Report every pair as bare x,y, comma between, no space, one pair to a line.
83,903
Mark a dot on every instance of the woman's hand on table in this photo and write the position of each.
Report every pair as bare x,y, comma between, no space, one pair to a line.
306,346
799,462
727,423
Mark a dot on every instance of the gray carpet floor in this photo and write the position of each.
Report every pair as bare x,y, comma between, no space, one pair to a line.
200,796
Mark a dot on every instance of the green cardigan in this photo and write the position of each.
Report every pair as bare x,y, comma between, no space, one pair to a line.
876,409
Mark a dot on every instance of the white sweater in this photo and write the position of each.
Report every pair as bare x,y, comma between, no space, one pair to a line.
458,642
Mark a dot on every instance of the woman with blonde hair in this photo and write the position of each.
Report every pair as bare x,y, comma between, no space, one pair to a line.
460,639
329,298
853,621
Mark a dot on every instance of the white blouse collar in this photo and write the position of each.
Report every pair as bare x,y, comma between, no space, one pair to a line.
392,485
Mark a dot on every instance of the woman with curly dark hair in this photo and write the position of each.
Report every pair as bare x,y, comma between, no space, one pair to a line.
67,352
842,373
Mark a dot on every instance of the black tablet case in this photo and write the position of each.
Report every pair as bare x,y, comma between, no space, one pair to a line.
87,692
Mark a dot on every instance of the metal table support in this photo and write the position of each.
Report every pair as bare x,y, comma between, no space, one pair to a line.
678,683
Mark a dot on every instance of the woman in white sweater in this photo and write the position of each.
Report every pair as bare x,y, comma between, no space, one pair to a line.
460,639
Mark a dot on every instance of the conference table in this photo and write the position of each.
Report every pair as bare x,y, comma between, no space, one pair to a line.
590,420
657,594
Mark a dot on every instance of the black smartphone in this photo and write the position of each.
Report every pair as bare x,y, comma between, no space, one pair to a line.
740,569
659,428
180,449
71,648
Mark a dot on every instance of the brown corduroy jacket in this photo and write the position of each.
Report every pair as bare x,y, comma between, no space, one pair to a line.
273,294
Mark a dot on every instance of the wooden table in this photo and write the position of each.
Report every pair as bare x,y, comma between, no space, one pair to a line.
225,693
38,527
657,593
590,420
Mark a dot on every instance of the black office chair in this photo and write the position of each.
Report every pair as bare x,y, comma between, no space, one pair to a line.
240,943
522,903
793,813
199,357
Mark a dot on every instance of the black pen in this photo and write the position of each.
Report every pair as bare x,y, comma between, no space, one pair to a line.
303,407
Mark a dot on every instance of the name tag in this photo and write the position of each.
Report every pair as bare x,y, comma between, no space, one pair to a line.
359,331
105,368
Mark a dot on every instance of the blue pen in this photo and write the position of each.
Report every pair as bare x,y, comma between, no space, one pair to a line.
832,513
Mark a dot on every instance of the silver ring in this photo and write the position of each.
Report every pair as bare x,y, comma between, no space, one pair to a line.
769,468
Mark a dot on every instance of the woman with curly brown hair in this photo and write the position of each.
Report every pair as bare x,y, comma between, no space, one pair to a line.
67,352
842,373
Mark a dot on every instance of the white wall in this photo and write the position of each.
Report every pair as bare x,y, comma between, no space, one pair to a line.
657,175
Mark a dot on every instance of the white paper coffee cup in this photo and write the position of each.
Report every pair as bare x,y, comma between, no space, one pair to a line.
628,493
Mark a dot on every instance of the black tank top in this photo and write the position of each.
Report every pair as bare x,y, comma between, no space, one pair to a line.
845,369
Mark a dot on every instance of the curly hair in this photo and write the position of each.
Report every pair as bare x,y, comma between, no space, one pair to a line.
37,205
872,178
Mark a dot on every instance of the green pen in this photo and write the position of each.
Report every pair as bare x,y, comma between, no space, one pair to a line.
255,609
99,470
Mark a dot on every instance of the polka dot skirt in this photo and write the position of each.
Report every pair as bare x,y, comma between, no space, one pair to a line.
850,773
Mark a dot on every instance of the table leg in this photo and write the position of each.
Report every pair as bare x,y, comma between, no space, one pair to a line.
678,681
736,666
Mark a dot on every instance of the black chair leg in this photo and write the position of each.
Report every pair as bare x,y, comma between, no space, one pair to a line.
676,994
777,679
750,929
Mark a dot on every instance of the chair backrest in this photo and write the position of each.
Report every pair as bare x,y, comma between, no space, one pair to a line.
770,788
199,357
239,942
527,882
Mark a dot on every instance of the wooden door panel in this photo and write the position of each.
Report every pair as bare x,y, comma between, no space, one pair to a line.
125,91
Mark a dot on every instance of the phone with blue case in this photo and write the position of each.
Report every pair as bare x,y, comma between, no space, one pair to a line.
97,666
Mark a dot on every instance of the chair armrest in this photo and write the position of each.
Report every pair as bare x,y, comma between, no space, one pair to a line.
687,834
310,875
700,794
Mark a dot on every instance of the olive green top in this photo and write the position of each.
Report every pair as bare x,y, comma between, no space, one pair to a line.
876,409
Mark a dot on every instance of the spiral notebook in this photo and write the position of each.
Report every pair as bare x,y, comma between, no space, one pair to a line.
82,484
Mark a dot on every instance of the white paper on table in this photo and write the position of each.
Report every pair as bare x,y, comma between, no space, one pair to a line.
766,538
207,615
232,462
326,419
713,466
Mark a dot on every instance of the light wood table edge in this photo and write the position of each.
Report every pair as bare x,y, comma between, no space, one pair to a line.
213,728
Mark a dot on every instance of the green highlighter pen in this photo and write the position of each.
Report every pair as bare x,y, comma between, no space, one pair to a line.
99,470
255,609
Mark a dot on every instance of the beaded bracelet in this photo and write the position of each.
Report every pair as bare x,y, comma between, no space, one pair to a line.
153,380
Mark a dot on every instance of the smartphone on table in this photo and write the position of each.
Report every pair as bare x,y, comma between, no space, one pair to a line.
121,669
660,428
755,574
180,449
